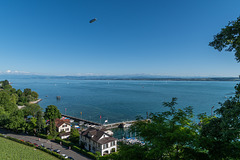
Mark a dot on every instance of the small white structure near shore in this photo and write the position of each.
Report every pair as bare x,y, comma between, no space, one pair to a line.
97,140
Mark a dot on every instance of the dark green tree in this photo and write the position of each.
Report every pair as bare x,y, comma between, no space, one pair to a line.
220,135
3,116
32,125
51,114
131,152
228,38
27,91
6,101
6,82
40,121
16,121
74,135
31,109
19,93
168,135
34,95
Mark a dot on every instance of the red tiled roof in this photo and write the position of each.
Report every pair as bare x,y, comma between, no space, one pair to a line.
59,122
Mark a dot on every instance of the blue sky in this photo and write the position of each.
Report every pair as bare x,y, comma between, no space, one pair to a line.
156,37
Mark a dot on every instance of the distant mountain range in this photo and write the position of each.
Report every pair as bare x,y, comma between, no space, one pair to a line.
123,77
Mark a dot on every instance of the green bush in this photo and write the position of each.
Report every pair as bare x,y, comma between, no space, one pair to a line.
20,103
64,142
42,136
84,152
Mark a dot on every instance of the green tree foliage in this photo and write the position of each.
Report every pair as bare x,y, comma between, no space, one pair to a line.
32,125
13,118
40,121
131,152
3,116
19,93
228,38
74,135
31,109
34,95
168,135
220,136
7,101
16,121
5,85
27,91
52,113
13,90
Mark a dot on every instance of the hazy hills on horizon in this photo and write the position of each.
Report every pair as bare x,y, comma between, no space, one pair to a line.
121,77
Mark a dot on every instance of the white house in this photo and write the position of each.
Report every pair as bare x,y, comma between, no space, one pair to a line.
97,140
63,125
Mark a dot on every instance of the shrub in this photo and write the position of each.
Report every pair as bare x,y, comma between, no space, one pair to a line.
42,136
32,145
112,150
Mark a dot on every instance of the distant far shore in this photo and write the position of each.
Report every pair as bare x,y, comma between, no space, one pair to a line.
155,79
126,77
186,79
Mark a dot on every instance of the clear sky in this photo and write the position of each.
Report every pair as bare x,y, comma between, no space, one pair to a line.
159,37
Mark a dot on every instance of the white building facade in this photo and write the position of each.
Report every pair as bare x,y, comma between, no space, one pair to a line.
63,126
97,140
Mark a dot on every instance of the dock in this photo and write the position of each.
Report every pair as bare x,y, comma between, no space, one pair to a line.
119,124
107,126
79,120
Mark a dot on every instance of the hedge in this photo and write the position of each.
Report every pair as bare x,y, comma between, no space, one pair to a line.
32,145
84,152
42,136
76,148
58,140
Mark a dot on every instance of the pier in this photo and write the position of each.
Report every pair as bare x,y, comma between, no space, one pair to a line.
107,126
79,120
119,124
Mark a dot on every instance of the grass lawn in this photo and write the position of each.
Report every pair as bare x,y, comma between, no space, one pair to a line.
15,151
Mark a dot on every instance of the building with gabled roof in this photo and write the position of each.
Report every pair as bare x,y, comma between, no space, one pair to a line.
97,140
64,126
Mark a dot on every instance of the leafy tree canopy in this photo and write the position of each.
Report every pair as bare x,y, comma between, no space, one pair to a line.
31,109
52,113
7,101
168,135
74,135
220,136
228,38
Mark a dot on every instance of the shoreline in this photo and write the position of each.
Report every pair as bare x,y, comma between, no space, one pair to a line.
35,102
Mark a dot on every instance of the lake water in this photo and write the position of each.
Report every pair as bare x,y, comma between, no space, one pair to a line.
120,100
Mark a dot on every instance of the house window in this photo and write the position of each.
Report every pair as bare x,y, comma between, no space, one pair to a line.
113,143
105,146
62,130
67,129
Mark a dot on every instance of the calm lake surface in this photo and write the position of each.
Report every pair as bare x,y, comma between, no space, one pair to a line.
119,100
